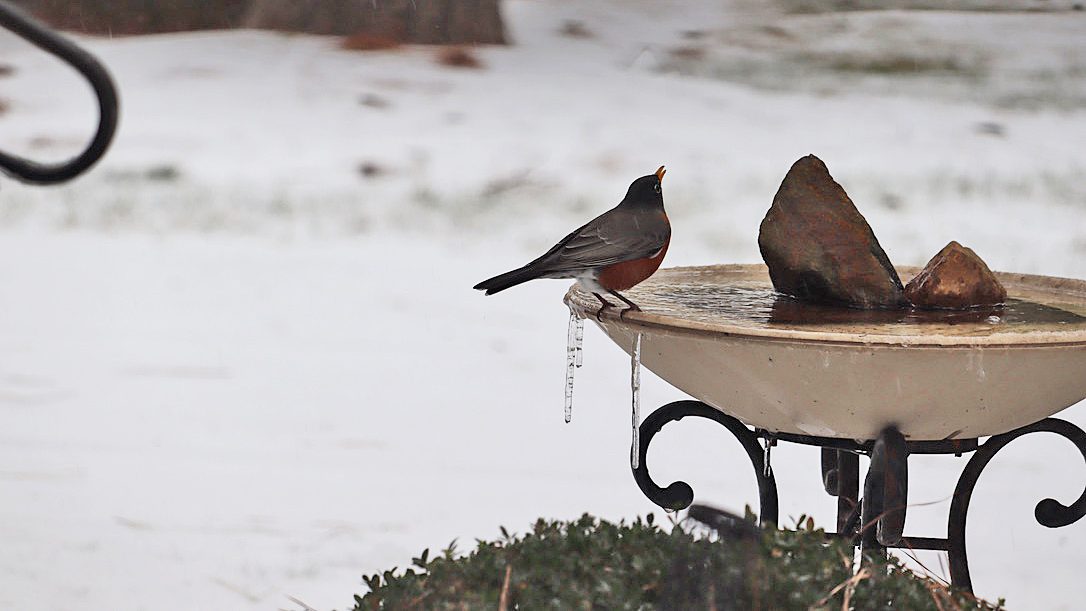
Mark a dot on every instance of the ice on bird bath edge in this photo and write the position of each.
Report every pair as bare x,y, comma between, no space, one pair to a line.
574,356
578,341
635,416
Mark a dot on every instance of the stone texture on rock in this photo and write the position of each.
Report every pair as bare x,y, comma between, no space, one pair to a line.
955,279
820,248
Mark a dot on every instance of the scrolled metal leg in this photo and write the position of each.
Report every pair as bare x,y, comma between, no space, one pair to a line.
895,485
830,472
1048,512
886,490
679,495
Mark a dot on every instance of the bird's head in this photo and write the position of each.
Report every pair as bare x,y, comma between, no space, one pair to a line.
646,191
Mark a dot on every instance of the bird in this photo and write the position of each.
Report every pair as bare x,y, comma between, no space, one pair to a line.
613,252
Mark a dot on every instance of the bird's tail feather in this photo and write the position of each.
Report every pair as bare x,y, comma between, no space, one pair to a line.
508,279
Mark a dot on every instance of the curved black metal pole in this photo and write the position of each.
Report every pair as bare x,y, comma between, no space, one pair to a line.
679,495
30,171
886,491
1048,512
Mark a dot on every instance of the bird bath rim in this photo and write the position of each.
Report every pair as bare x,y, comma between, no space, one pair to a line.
1050,289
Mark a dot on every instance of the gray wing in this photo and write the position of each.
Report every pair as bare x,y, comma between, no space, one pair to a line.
611,238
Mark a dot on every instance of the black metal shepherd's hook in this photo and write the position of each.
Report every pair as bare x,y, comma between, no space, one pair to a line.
30,171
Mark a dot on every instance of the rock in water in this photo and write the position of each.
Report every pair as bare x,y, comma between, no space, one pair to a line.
819,247
955,279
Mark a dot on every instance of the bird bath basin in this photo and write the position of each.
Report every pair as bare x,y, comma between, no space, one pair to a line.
722,335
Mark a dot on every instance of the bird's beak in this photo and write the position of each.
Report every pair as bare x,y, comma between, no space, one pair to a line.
660,174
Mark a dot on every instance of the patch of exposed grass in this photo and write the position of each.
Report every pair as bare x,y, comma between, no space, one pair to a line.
897,63
835,6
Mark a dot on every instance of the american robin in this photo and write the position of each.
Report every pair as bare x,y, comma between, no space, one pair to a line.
611,253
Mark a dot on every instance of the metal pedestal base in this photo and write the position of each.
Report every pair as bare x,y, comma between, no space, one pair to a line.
876,520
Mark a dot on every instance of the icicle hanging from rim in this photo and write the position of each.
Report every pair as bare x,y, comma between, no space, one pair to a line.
635,416
574,357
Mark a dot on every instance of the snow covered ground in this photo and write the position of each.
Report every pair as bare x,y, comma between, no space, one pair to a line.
237,368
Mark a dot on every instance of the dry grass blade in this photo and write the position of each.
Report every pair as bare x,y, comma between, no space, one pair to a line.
846,604
911,553
945,600
845,560
301,604
503,600
849,583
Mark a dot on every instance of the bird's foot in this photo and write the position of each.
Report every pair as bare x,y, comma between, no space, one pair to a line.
604,304
599,312
622,312
629,305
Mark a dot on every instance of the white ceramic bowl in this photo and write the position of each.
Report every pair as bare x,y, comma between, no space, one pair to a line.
721,335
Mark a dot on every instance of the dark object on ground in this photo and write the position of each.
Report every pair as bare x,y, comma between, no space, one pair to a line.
125,17
434,22
991,128
955,279
374,101
370,169
726,524
593,564
162,173
688,52
820,248
572,28
458,57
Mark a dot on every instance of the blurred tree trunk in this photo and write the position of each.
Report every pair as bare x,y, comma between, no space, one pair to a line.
412,21
137,16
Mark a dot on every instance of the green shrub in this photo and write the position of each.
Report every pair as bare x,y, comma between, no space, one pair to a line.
594,564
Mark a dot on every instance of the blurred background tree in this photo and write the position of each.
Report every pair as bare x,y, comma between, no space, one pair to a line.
415,21
120,17
409,21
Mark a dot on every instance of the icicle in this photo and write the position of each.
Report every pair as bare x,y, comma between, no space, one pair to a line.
571,363
574,356
578,341
635,416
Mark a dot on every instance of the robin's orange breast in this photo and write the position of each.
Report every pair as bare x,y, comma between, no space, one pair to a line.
621,276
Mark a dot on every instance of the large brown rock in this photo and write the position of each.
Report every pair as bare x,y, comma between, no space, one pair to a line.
819,247
955,279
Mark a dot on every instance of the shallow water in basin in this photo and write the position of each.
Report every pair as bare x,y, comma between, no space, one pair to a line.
764,306
740,296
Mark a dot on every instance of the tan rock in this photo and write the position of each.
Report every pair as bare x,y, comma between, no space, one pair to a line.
955,279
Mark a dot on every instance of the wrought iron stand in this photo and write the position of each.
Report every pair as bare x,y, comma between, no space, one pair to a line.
32,172
877,519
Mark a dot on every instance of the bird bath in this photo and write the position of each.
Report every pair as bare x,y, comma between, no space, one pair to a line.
877,382
722,335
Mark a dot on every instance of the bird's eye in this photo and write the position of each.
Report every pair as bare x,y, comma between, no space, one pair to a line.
656,187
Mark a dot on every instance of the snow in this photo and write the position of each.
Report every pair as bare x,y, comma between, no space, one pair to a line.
235,369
